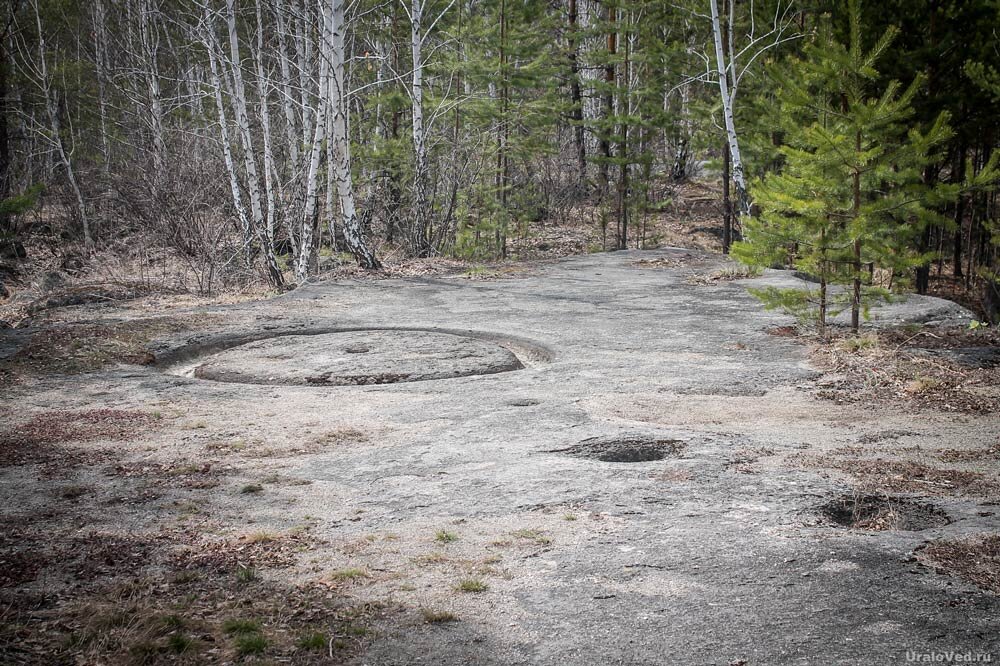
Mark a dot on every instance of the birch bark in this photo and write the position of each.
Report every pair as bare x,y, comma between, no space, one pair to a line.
350,223
742,195
260,224
227,152
421,223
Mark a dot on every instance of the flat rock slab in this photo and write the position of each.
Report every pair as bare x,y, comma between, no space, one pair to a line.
357,358
646,491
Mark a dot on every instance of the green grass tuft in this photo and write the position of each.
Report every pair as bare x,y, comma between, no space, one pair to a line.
314,641
472,585
234,626
437,617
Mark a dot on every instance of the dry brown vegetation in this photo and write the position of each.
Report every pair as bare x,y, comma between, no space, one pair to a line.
72,348
41,438
975,559
888,475
890,367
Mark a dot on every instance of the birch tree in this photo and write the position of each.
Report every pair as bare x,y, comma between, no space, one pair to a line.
733,60
340,141
333,101
263,222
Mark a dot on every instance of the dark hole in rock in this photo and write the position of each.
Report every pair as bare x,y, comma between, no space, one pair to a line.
523,402
624,449
357,349
880,513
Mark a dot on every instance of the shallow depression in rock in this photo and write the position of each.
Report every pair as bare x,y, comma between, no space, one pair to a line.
878,513
365,357
624,449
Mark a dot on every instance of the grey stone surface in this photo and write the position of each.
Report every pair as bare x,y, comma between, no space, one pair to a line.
715,554
357,357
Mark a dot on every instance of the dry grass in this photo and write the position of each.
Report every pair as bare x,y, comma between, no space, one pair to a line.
250,551
991,453
730,274
339,437
471,586
975,559
437,617
70,348
889,368
41,439
900,476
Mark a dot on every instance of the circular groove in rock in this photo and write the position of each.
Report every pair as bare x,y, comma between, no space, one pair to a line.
880,513
523,402
624,449
349,358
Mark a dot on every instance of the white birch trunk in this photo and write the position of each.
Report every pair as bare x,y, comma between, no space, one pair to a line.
286,87
304,53
739,178
249,158
421,224
331,187
340,140
307,230
227,152
263,87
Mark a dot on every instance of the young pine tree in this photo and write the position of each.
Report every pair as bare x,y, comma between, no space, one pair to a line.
849,196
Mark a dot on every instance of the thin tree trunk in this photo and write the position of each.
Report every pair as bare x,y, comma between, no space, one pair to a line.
609,98
500,234
623,157
286,86
856,259
304,53
350,223
421,232
101,70
727,204
227,153
823,281
263,88
742,195
150,50
309,220
263,227
576,96
52,111
959,215
6,230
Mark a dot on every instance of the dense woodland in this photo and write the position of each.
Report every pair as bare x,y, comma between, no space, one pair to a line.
249,138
